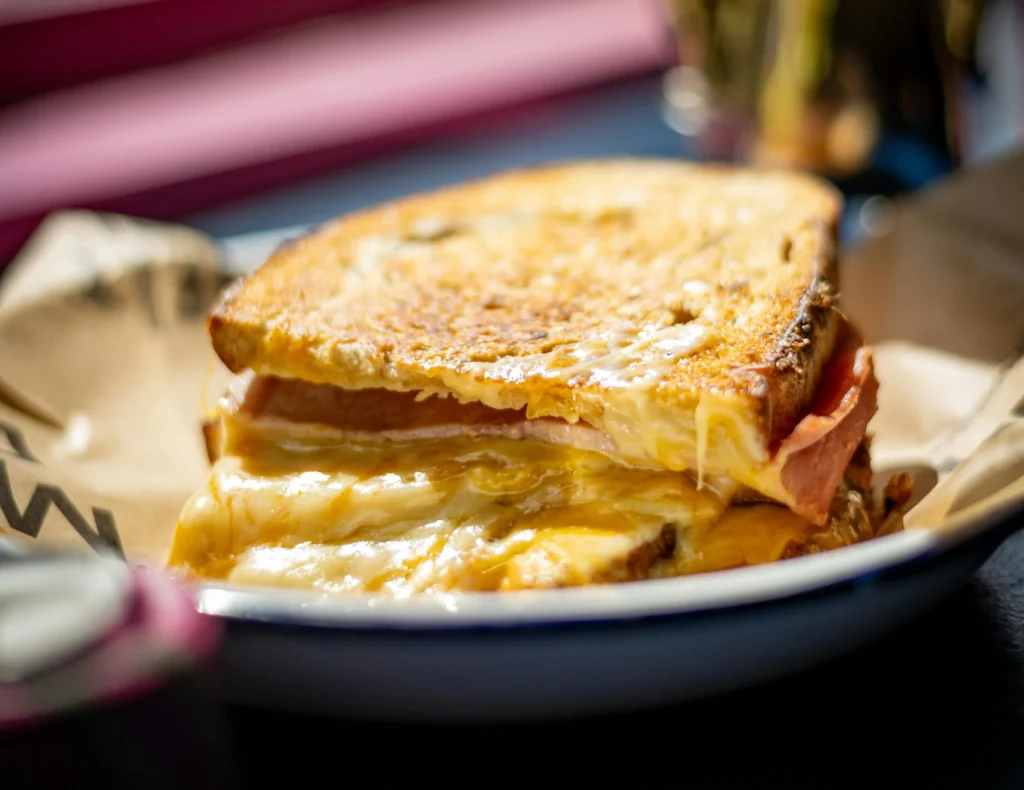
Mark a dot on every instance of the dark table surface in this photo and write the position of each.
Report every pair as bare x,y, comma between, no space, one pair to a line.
938,704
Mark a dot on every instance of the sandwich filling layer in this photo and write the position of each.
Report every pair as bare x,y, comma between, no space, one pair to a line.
471,513
379,491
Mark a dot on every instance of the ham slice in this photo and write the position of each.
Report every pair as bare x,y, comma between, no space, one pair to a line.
398,416
814,457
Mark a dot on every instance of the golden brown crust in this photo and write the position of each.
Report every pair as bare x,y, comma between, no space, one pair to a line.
807,345
490,290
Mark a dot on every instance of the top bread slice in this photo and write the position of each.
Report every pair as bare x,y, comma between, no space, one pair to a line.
686,310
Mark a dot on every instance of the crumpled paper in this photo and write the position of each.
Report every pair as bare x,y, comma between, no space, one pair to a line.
106,370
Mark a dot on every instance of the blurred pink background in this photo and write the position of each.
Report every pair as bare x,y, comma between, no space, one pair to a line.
163,107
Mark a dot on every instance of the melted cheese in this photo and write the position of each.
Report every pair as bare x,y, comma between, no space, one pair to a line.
748,535
400,518
421,516
634,359
717,434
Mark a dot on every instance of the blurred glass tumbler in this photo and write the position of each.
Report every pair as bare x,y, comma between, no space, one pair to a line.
818,84
101,678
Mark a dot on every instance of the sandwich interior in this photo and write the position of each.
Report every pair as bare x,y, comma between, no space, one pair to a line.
396,493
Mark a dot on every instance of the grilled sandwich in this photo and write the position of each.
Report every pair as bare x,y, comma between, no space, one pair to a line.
589,373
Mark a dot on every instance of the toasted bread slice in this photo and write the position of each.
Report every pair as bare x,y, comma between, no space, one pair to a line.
684,310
